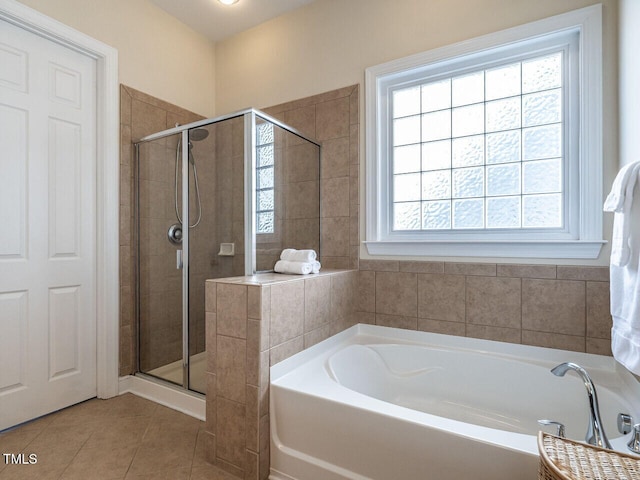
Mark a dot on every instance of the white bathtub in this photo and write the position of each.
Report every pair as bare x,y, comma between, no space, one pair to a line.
382,403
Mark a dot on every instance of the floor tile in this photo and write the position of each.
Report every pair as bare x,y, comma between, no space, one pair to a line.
122,438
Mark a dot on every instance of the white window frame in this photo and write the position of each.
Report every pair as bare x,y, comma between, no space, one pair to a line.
582,235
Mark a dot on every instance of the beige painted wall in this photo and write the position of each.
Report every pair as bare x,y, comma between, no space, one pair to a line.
157,54
329,43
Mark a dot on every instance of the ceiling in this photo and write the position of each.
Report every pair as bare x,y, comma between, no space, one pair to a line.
218,21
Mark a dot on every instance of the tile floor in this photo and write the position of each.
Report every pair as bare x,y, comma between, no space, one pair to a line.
125,437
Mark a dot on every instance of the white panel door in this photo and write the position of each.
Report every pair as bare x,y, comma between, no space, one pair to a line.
47,226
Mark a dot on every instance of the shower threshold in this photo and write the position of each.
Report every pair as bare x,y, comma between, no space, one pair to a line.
172,372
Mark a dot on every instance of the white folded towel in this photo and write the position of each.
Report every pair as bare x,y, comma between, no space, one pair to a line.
293,255
619,201
625,267
297,268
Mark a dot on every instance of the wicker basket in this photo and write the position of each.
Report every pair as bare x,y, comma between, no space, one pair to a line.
562,459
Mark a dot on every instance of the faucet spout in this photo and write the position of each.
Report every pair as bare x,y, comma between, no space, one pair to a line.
595,431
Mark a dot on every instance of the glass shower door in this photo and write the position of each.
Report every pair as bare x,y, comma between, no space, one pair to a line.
160,351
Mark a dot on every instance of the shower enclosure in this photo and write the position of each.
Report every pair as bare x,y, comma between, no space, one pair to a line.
216,198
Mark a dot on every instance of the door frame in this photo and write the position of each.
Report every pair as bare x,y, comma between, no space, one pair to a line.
107,179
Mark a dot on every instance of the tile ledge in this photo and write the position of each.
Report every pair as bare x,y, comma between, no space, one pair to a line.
271,278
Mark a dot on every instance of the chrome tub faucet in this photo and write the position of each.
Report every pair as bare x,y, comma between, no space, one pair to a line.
595,431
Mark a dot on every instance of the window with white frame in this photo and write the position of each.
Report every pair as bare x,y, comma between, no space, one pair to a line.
491,147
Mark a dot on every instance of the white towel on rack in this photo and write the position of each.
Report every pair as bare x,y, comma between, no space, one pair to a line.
625,266
296,268
293,255
619,201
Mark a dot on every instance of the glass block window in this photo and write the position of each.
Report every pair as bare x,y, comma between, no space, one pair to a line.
481,150
265,179
491,147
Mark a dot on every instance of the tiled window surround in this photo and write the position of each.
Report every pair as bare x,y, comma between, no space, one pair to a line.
253,323
565,307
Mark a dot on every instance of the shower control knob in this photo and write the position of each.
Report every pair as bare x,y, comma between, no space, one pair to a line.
175,234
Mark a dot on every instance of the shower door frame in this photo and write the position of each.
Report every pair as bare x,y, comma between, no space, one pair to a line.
249,116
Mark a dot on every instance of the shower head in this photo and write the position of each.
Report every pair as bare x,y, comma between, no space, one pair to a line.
198,134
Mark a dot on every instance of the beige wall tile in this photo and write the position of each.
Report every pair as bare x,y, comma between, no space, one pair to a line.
354,185
366,291
441,297
484,269
302,162
210,296
343,295
126,185
335,197
396,294
231,359
285,350
499,334
332,119
494,301
336,263
146,119
599,346
254,302
317,335
252,418
395,321
126,305
253,466
354,109
231,301
354,236
599,321
556,306
379,265
529,271
422,267
334,234
254,347
266,306
211,342
368,318
554,340
570,272
302,119
302,199
287,312
231,436
439,326
317,302
264,447
125,106
212,395
335,158
354,144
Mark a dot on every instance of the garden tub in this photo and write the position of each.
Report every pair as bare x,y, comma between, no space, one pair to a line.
382,403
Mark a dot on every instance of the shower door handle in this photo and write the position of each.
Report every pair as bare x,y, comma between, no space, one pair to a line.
178,259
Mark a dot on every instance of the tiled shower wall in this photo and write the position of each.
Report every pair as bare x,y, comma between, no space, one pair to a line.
140,115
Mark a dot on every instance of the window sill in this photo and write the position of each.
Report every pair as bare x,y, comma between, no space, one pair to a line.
572,249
